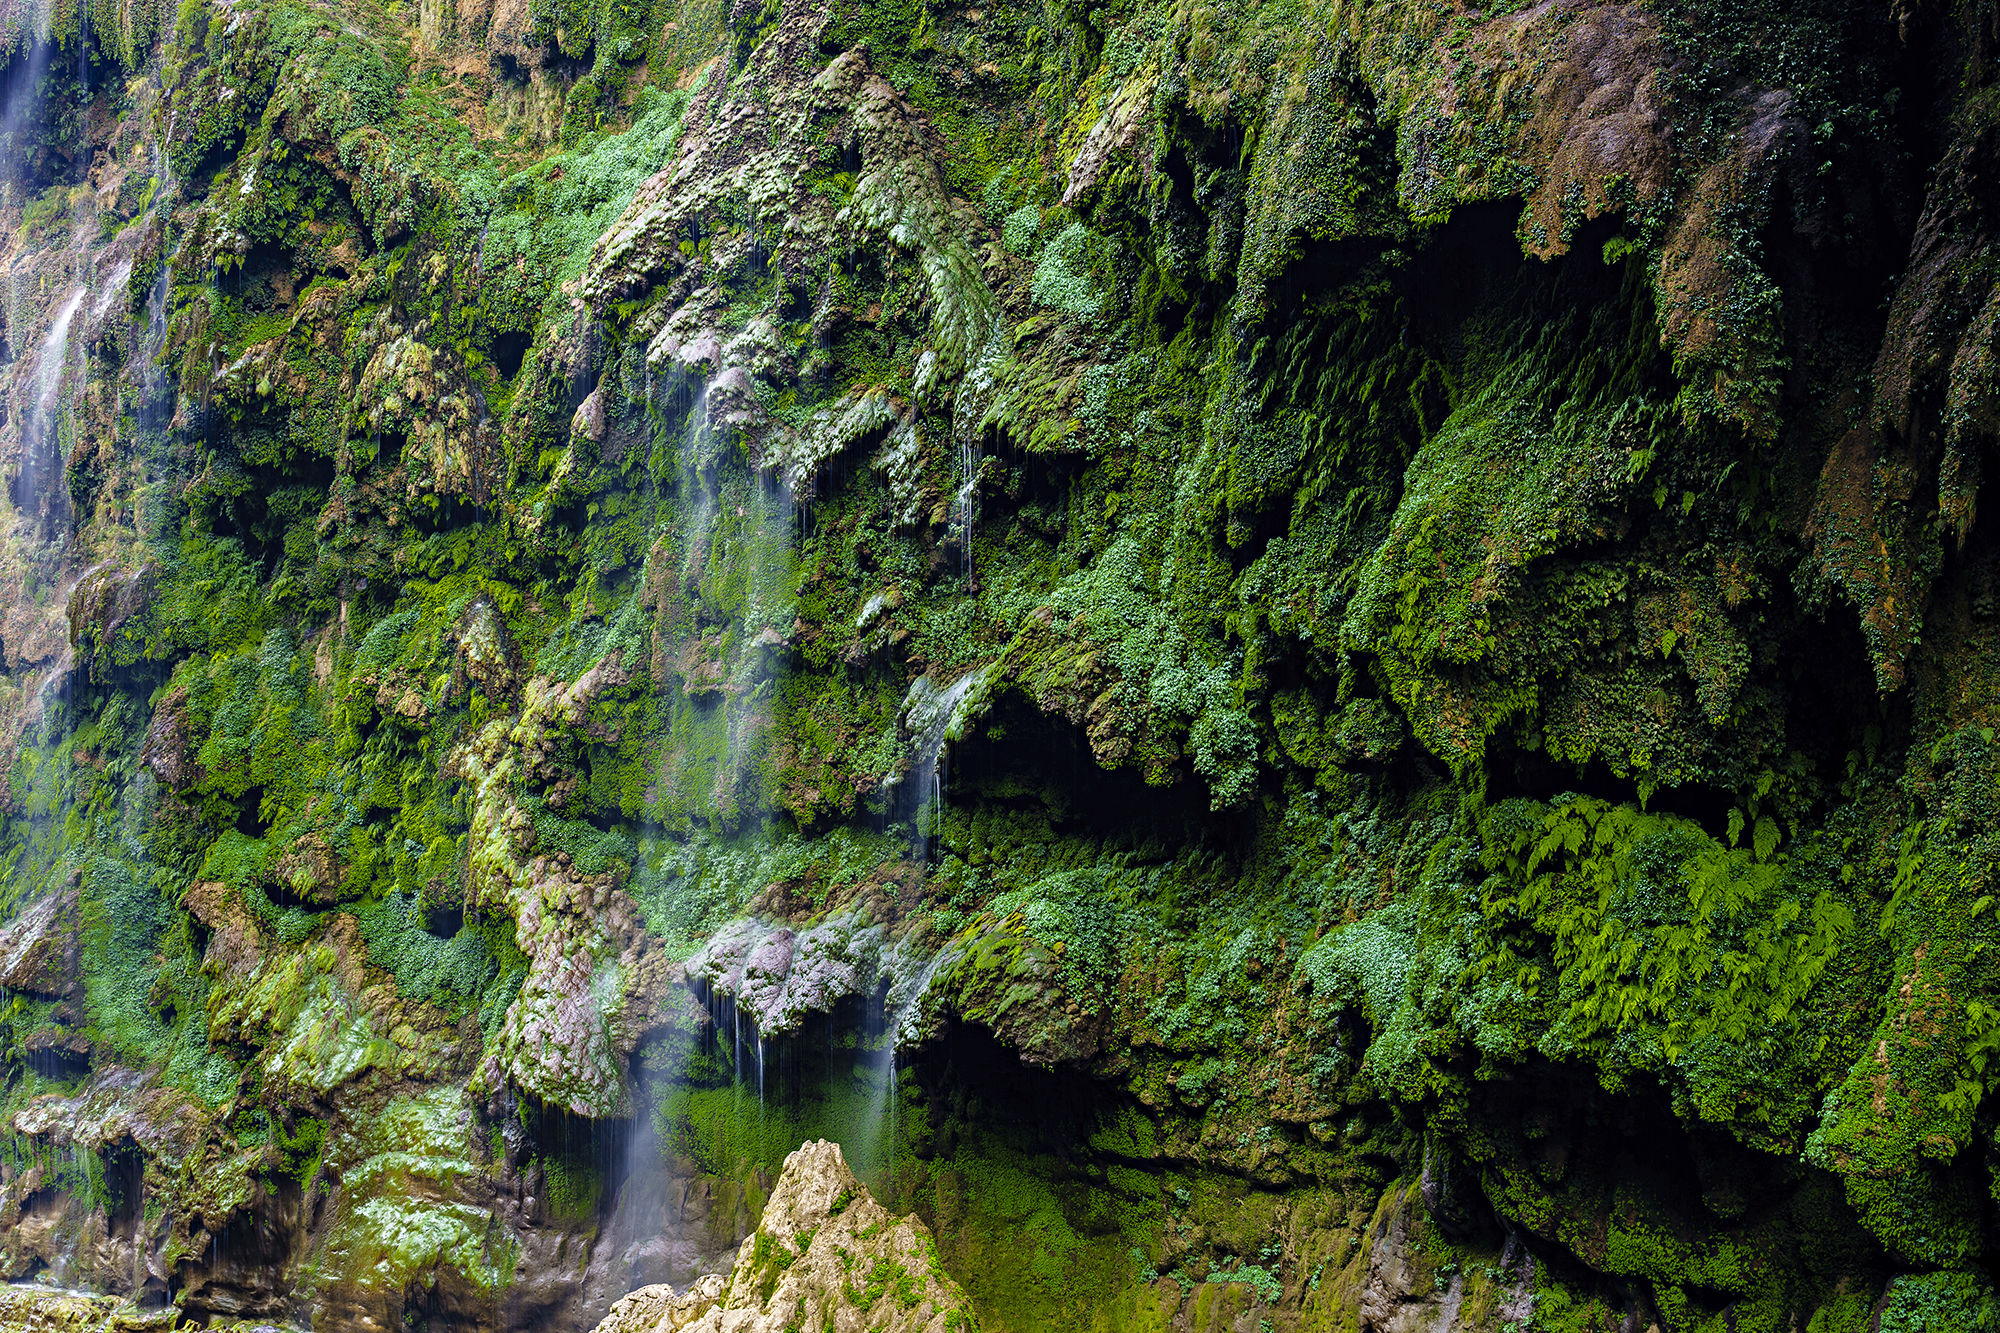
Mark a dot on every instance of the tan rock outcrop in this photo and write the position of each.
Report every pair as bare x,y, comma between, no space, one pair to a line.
825,1256
658,1309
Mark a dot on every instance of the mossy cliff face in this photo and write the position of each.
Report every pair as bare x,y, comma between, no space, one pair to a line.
1301,666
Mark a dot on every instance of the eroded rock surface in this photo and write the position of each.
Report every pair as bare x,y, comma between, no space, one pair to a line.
1322,665
824,1256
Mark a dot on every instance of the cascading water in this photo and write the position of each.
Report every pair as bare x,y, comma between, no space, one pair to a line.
898,1012
929,712
873,1143
36,496
647,1236
965,499
67,282
727,529
19,102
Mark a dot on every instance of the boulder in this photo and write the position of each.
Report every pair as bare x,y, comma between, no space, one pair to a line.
825,1256
658,1309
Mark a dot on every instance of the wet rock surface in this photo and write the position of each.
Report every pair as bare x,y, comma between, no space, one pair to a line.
1298,666
32,1309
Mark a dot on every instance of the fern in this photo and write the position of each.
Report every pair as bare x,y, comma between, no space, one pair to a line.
1652,927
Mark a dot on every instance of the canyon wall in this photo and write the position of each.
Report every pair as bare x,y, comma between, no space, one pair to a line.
1298,665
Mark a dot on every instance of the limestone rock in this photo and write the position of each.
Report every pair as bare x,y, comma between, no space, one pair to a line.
777,974
658,1309
825,1256
38,950
104,608
172,741
30,1309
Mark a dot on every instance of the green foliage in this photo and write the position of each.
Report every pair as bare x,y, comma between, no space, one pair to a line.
768,1260
1068,272
1940,1303
1260,1279
591,850
1162,667
1021,227
122,917
1544,452
544,219
1072,913
455,972
574,1186
1366,963
1621,924
301,1147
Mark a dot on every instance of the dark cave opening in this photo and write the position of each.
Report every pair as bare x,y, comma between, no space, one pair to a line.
510,349
57,1063
261,490
1018,756
389,446
43,120
284,897
199,932
250,821
1555,1124
975,1084
125,1185
577,1156
264,280
238,1274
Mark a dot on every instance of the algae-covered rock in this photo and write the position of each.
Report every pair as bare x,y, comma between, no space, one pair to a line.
30,1309
1180,605
38,948
660,1309
824,1256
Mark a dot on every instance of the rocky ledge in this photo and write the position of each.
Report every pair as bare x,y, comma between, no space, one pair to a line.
27,1308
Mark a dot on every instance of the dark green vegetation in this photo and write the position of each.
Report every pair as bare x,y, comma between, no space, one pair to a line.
1433,555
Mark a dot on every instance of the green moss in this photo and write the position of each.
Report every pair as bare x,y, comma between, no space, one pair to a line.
300,1148
1196,393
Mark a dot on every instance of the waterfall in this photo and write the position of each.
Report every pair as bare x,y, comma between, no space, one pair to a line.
18,104
965,499
873,1142
642,1232
929,711
874,1148
41,450
726,528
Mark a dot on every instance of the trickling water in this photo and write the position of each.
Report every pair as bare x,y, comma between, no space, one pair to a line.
41,458
874,1150
111,290
21,98
965,500
643,1237
929,710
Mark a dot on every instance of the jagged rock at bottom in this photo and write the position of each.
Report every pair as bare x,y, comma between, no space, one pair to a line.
826,1256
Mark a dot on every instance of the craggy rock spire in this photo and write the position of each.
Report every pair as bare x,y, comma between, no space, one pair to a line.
824,1255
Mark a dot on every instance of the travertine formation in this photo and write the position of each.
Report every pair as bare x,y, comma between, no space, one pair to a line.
1297,665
